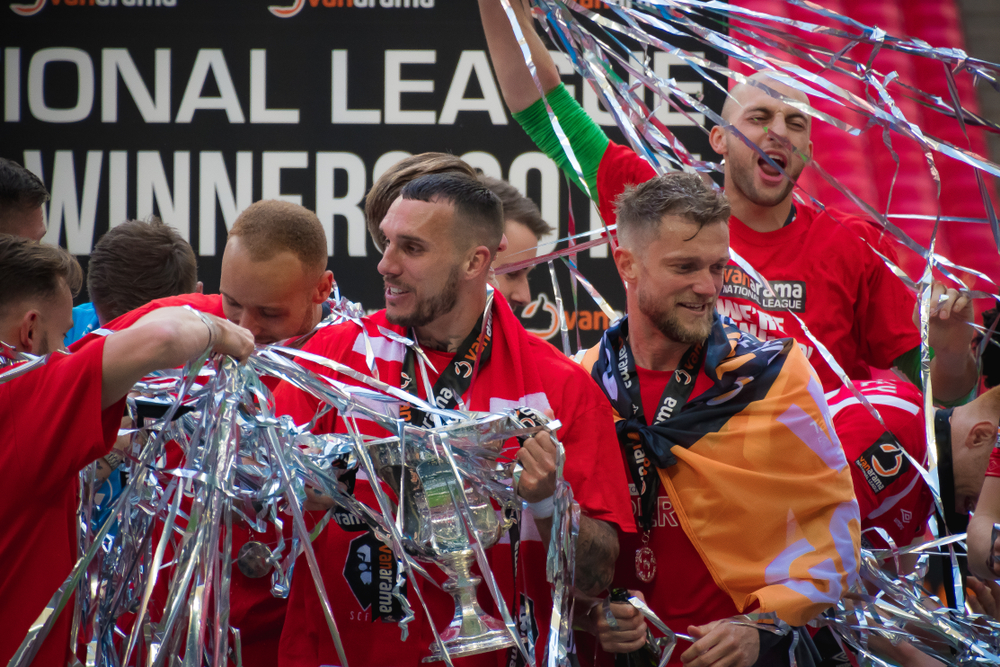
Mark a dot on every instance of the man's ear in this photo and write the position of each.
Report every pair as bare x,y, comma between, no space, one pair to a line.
323,287
627,263
27,331
982,434
717,139
477,261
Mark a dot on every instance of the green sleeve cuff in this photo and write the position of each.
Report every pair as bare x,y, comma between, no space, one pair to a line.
585,136
908,364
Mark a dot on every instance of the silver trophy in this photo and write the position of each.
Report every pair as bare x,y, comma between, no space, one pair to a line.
433,530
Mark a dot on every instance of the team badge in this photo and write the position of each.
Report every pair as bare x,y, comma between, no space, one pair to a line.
883,462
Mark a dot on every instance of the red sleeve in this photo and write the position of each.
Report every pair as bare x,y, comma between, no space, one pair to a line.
302,406
51,418
885,313
594,465
620,166
994,468
206,303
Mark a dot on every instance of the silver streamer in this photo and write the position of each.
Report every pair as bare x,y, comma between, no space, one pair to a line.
231,455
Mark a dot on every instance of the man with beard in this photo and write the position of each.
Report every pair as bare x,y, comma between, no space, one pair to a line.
440,237
720,432
818,263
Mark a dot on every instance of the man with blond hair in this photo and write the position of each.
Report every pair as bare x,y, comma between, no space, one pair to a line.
719,431
275,284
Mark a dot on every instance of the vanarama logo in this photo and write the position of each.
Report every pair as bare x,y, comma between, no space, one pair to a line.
288,11
32,8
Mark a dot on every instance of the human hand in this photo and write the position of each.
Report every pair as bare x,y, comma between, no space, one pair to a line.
722,644
538,456
985,598
231,339
630,635
316,500
948,322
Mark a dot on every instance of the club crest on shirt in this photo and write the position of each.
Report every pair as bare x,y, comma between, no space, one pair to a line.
883,462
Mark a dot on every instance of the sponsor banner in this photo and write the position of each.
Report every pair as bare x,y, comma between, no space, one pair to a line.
192,110
371,571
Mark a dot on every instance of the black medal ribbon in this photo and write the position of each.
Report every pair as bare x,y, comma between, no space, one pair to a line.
956,519
634,434
681,420
455,378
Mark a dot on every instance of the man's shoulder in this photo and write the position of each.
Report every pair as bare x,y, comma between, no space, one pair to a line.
343,336
898,403
206,303
63,364
546,356
564,379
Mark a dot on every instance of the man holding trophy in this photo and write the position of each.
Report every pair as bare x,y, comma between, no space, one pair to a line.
472,354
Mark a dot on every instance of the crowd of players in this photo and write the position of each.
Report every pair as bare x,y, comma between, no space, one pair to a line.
681,429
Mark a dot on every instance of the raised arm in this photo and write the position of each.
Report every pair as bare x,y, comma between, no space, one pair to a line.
518,88
165,338
954,373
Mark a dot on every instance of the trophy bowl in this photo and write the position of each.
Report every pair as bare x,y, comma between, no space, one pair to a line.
433,531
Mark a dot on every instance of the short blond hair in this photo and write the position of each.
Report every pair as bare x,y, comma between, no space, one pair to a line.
271,226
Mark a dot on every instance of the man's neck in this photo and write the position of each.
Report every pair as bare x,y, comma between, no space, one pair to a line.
651,348
448,331
759,218
317,316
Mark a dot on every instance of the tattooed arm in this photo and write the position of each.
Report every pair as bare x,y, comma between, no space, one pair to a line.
597,544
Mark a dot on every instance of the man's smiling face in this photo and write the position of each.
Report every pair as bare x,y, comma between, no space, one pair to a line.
680,277
421,264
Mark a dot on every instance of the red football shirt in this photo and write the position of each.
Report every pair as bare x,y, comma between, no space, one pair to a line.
994,467
598,484
51,426
891,494
819,268
683,591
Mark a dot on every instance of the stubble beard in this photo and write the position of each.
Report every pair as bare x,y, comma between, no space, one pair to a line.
669,323
429,309
742,173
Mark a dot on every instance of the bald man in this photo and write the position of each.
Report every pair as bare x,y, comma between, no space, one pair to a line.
818,263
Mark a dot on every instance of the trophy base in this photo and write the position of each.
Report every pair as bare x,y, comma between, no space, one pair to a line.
459,639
